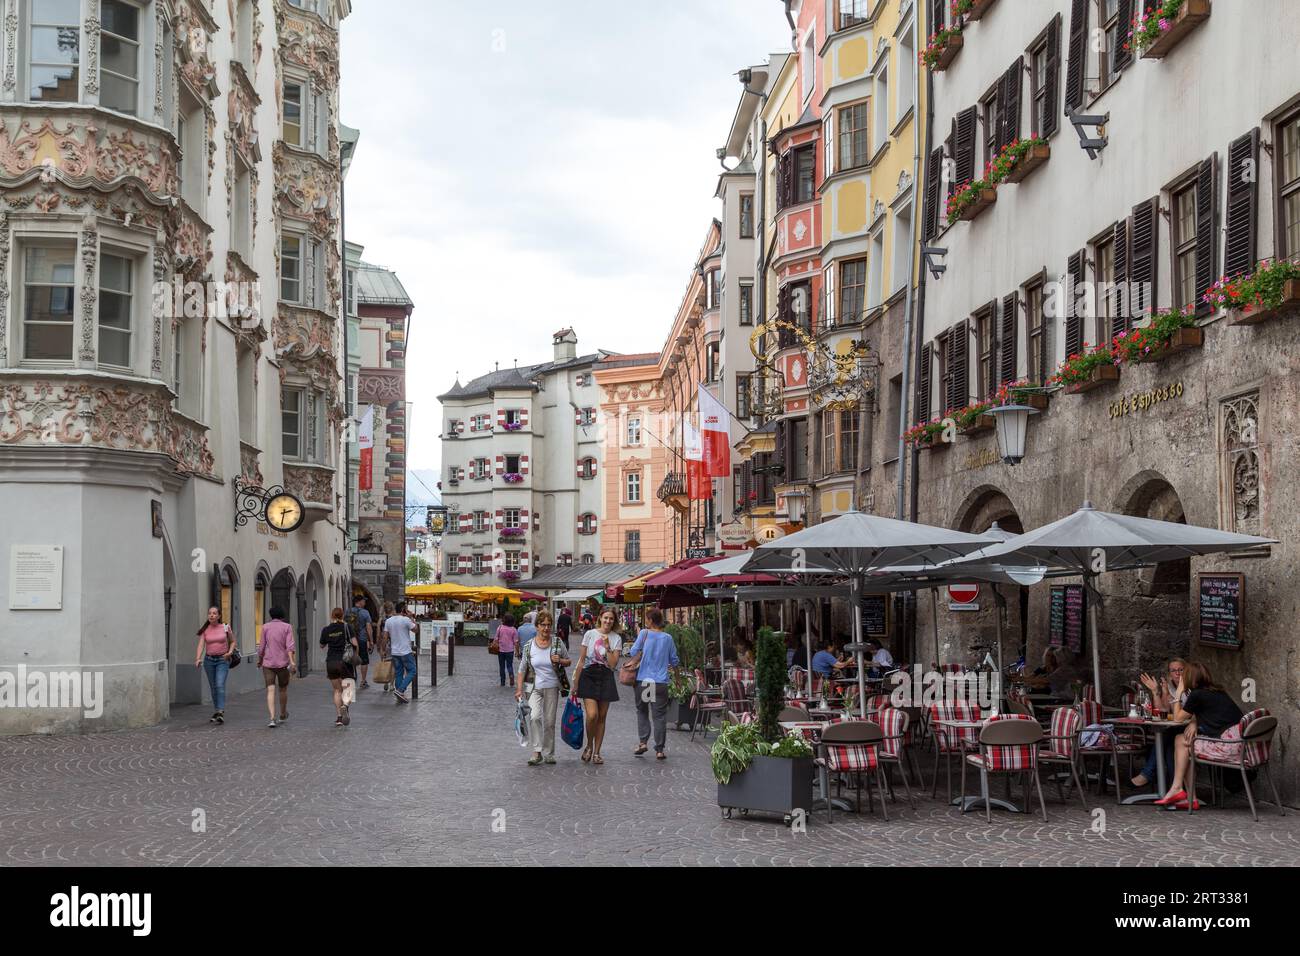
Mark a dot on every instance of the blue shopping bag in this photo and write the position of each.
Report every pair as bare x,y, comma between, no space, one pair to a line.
572,727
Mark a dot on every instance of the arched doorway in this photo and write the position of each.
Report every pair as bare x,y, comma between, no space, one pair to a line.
984,507
282,596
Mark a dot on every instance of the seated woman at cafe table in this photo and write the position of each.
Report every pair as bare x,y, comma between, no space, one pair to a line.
1207,711
881,659
1162,693
1039,679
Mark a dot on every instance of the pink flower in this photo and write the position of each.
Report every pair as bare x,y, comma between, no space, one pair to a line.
1164,24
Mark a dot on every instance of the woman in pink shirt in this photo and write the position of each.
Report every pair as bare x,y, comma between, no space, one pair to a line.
507,639
276,658
216,644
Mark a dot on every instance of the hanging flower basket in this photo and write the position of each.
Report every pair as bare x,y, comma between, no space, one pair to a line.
1158,29
1089,369
971,200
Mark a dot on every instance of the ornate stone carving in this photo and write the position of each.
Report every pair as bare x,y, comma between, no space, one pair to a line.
92,56
305,342
89,290
194,29
161,268
248,464
11,47
191,241
4,288
308,42
89,149
160,26
380,386
1240,444
314,484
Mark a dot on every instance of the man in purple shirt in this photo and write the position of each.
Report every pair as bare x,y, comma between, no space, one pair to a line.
275,656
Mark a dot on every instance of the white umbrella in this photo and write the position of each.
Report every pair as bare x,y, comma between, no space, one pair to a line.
1089,542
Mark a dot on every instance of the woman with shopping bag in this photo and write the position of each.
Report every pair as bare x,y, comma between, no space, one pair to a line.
543,679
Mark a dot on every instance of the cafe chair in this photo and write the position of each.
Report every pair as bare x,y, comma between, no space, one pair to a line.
1115,742
877,702
1252,752
788,714
705,702
851,747
1008,745
895,747
1061,746
736,697
951,742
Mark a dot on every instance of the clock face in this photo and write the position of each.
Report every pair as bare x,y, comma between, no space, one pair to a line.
284,512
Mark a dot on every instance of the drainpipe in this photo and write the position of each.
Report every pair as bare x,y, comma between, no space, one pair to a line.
920,313
910,326
347,379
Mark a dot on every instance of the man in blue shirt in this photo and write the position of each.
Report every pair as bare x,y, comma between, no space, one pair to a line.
653,652
365,635
824,661
527,631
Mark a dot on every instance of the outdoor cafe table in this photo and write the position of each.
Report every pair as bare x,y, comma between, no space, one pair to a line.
962,800
1159,727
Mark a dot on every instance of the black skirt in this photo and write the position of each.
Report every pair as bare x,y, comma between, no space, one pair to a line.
337,670
597,683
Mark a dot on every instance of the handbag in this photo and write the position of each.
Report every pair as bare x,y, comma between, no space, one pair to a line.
382,672
235,656
572,727
494,647
627,671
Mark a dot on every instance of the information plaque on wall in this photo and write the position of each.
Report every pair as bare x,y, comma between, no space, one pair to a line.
36,577
1221,607
1067,617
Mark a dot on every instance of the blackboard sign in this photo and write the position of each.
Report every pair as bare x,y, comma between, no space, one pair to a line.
875,615
1222,605
1067,617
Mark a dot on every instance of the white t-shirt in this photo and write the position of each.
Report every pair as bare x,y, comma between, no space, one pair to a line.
883,658
600,645
399,630
543,670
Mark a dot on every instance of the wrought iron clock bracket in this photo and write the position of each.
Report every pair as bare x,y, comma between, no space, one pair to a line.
250,501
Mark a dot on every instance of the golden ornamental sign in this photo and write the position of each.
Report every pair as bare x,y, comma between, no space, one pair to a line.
1145,400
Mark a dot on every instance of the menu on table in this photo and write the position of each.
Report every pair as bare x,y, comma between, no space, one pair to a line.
1221,606
1067,616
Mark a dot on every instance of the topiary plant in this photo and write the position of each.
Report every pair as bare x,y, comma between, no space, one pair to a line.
770,676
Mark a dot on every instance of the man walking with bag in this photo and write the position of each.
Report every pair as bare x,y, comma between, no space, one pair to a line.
400,629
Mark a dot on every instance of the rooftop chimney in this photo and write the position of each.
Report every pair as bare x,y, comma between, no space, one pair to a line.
566,345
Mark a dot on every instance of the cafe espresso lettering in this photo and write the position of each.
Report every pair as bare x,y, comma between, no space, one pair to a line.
1145,401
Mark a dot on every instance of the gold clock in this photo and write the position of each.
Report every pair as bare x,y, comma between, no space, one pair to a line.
284,512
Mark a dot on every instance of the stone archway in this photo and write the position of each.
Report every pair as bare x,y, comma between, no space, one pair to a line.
984,506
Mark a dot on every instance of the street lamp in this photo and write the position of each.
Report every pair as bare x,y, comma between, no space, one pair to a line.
1012,422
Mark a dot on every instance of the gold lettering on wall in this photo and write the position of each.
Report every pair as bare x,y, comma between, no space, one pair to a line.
1146,400
981,459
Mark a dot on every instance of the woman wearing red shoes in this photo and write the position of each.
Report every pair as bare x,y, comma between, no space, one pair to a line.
1208,711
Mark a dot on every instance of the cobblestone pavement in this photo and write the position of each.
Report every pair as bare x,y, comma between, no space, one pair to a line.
423,784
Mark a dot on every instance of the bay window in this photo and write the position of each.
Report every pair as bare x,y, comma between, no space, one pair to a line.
119,55
54,48
300,270
292,130
49,287
301,422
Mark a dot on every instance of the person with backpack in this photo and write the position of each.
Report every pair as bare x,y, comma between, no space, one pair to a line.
275,656
542,678
653,653
214,652
338,641
363,626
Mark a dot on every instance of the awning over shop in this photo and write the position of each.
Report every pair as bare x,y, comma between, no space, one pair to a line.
578,594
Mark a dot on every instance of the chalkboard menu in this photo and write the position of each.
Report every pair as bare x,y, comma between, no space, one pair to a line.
1222,605
1068,616
875,615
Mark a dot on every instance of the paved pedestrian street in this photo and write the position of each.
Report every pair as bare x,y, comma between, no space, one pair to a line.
442,781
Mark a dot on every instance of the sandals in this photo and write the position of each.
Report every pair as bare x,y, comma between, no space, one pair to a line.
597,759
660,755
640,750
586,755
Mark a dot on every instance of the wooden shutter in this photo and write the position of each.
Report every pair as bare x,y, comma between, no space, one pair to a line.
1007,338
933,183
1122,56
1052,82
1243,204
501,464
964,145
1122,306
958,371
1073,321
1012,83
922,386
990,385
523,464
1076,67
937,19
1207,233
1142,257
500,519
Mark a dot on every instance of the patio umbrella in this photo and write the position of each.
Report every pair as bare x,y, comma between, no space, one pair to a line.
1089,542
856,544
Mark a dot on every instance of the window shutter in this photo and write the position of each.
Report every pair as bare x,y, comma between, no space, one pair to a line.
1122,307
933,184
500,519
923,384
1075,68
1243,204
501,418
591,466
523,561
1007,338
1011,103
1207,233
1122,56
579,472
1073,321
523,464
501,465
1051,84
990,385
523,418
964,145
958,364
1142,258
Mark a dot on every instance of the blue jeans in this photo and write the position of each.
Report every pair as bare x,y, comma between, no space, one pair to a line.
217,669
506,664
403,671
1149,769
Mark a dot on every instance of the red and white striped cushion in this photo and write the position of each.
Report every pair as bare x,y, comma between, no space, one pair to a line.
850,756
955,739
891,721
1065,724
1257,753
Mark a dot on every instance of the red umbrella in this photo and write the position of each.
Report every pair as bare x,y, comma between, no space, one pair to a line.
682,585
530,596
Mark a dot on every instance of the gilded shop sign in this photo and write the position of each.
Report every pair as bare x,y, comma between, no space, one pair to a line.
1144,401
982,459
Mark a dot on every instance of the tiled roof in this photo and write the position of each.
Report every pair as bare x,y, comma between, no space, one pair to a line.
516,377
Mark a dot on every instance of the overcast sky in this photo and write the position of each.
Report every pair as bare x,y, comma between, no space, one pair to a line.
525,166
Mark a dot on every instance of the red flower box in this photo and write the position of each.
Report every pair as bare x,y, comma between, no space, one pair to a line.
1252,315
1189,16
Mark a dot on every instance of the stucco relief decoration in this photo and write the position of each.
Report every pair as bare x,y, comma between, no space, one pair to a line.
308,189
244,302
79,153
310,484
248,465
4,287
1241,448
191,242
309,43
381,386
11,44
92,56
89,296
161,269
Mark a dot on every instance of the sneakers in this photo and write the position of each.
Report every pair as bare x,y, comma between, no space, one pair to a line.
284,717
534,760
401,698
271,725
213,718
338,721
219,716
344,716
549,760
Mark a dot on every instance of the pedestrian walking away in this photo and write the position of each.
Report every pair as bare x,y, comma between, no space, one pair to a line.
276,657
336,638
542,681
399,630
563,625
654,653
215,649
595,681
363,626
507,639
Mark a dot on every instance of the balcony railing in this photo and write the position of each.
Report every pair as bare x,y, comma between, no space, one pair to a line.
674,484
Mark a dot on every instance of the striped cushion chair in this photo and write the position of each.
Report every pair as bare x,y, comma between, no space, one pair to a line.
1061,746
704,704
895,747
950,742
852,747
1110,745
736,697
1089,692
877,702
1249,747
1008,744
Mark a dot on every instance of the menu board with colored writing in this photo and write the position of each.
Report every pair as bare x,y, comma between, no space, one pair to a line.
875,615
1222,605
1068,616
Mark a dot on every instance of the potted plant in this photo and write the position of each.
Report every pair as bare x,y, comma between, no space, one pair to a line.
972,9
926,434
941,48
1021,392
1019,158
681,685
971,199
974,419
1167,334
512,477
1161,26
1086,370
1273,289
756,766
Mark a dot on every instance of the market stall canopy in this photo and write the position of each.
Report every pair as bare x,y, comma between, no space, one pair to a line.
631,591
449,591
579,595
487,595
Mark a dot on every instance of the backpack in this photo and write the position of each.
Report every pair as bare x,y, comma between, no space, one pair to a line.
353,622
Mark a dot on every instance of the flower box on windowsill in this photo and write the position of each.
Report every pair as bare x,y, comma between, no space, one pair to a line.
1097,377
981,7
985,200
1034,158
980,426
950,51
1251,315
1189,16
936,444
1184,339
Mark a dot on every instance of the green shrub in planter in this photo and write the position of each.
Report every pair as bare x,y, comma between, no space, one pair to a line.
770,678
689,644
738,744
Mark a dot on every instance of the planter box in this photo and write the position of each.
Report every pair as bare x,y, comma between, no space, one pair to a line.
1183,340
982,425
950,50
773,784
681,714
1037,400
937,443
1189,16
1099,376
987,198
981,7
1290,302
1029,162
